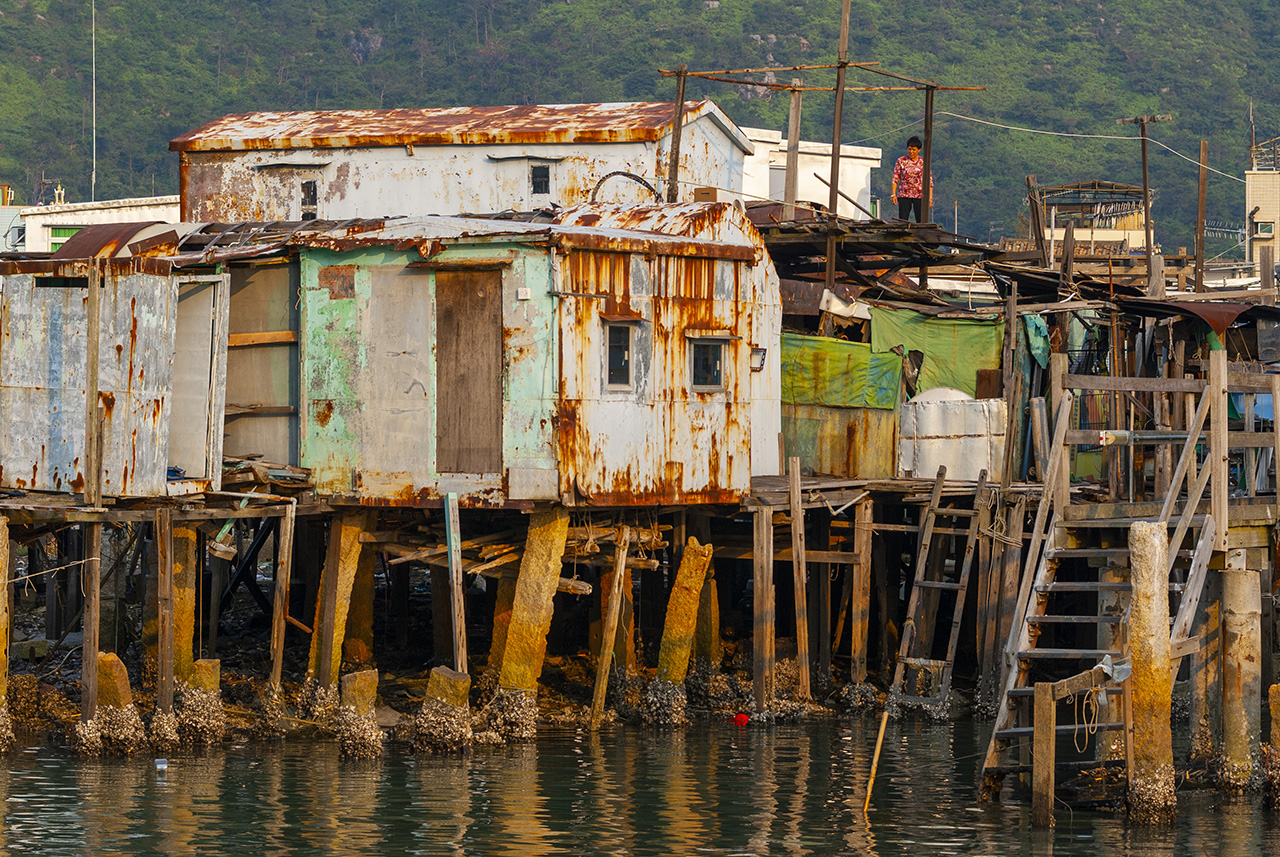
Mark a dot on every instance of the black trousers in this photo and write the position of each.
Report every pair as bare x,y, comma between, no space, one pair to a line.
906,205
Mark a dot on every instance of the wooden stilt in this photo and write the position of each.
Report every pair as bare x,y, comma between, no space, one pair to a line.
799,573
820,584
860,608
90,577
1044,737
280,605
457,583
610,630
6,607
762,610
164,609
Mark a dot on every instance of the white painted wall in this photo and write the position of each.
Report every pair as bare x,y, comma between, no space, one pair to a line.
764,173
40,219
482,178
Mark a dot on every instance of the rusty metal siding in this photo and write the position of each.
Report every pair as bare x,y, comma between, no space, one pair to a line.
369,370
757,296
612,122
366,180
664,441
42,378
853,443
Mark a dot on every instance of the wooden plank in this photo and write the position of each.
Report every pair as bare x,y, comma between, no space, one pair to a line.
266,337
90,579
1060,485
1039,420
468,371
164,602
1189,604
1044,739
799,573
457,583
1249,382
861,600
1186,460
1250,455
280,603
1218,443
612,610
1132,384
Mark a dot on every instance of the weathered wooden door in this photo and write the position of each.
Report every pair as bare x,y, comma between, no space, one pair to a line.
469,371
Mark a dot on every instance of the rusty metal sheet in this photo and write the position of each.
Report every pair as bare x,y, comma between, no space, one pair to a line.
42,383
852,443
548,123
104,239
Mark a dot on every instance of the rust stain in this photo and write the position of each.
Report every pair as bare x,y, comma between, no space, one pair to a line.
340,280
322,411
565,123
108,402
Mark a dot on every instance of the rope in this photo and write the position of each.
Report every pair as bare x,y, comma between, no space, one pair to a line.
1088,707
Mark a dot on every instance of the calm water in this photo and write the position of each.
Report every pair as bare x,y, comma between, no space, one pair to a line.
715,789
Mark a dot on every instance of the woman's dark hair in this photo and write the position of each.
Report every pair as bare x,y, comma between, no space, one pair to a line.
915,141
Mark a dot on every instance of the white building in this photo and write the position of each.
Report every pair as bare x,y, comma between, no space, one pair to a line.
1262,212
334,165
49,226
765,172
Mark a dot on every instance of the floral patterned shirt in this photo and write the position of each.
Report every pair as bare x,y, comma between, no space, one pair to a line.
909,176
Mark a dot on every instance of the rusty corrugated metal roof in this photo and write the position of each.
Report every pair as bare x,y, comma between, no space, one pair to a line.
522,124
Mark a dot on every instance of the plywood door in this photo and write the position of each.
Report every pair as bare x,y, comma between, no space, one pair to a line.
469,371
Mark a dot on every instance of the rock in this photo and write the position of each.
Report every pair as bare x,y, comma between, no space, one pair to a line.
30,650
360,691
664,704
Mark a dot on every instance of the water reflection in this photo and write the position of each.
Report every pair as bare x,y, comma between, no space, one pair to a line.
716,789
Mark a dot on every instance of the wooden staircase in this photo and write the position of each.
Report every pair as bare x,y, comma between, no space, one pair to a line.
1055,609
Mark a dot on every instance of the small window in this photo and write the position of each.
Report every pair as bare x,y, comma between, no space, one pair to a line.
309,196
540,178
708,359
619,362
1264,228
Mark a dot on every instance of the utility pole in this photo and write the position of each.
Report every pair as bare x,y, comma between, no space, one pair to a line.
833,219
1142,122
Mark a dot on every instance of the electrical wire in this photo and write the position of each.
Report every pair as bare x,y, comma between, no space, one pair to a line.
1087,137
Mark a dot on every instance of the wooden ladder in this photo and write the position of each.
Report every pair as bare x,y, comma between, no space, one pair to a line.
930,678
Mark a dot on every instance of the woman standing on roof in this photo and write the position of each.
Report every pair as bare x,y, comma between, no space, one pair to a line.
908,183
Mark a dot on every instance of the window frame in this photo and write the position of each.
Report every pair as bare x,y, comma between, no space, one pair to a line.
629,328
697,342
309,210
534,179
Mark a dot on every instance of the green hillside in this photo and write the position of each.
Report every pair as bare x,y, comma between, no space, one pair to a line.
1072,66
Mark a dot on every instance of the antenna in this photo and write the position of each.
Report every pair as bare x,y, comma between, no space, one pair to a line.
93,175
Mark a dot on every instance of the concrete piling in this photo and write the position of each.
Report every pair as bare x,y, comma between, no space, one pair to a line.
1152,798
356,723
184,599
526,642
1241,671
444,723
342,561
665,698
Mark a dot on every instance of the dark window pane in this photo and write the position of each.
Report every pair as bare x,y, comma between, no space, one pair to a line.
620,354
540,177
309,197
706,364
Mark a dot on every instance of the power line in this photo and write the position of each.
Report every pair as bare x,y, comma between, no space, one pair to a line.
1088,137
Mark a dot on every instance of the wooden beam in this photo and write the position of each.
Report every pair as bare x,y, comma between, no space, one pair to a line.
612,611
1218,444
280,603
1127,384
164,603
1045,733
457,583
266,337
762,611
800,576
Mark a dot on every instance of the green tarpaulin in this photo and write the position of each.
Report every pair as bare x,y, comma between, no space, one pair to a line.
838,374
954,348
